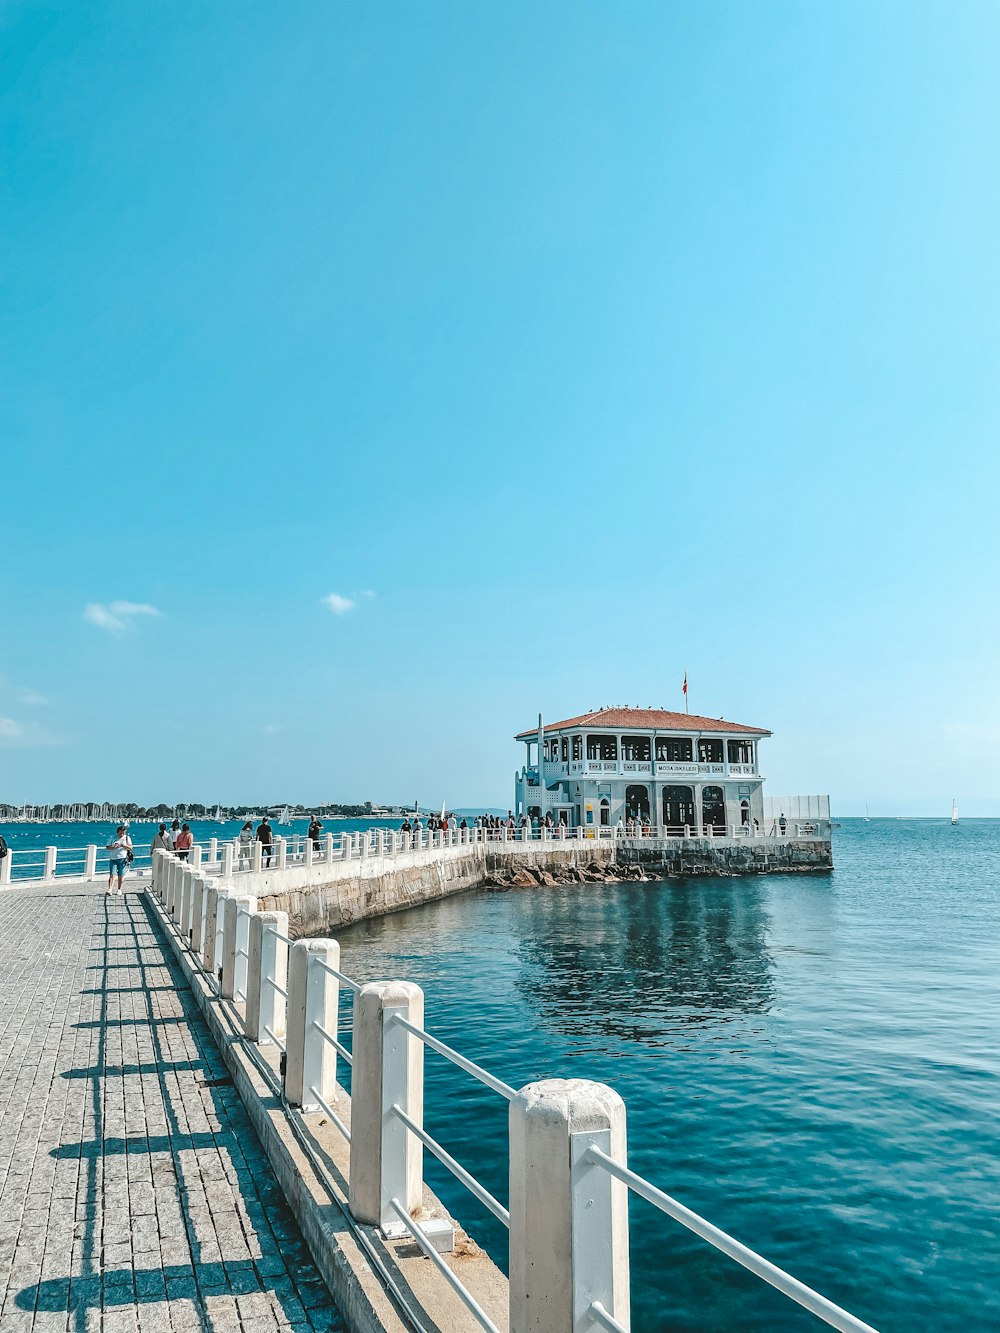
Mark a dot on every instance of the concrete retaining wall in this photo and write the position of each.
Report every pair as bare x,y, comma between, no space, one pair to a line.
320,899
726,856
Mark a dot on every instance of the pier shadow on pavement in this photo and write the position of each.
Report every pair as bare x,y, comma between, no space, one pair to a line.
179,1222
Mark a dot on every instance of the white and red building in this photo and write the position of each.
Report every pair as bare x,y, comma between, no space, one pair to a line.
681,773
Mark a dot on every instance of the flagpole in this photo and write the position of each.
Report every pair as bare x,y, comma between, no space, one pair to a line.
687,699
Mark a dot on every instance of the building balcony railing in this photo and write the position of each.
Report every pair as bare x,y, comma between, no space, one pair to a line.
643,767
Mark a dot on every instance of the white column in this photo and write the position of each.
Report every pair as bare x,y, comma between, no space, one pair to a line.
309,852
267,968
5,864
90,862
328,848
282,853
313,998
197,927
213,850
568,1218
184,901
50,862
195,857
235,938
386,1159
255,856
227,859
211,944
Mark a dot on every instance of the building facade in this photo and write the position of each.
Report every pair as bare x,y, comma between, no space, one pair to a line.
677,771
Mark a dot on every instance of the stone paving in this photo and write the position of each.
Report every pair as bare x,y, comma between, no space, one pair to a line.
134,1194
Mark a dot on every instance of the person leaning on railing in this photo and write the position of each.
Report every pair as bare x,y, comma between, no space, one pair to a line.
183,842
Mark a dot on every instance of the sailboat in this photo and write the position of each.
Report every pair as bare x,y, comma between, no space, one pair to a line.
283,817
954,811
867,818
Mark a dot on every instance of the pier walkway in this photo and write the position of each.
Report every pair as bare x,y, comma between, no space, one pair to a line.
134,1194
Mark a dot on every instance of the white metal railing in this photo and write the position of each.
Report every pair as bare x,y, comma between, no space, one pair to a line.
566,1137
784,1282
225,857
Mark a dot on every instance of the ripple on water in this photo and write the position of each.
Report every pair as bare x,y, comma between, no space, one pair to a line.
810,1062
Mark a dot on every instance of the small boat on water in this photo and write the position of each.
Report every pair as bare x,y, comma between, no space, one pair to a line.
283,818
867,818
954,811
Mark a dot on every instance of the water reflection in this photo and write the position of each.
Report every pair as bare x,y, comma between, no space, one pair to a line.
646,962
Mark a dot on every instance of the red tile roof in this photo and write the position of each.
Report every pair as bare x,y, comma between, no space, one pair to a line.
646,719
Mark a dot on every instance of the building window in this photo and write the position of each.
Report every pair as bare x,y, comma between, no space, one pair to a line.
637,801
564,747
740,752
709,752
678,807
744,812
577,748
673,751
636,749
605,813
713,806
602,747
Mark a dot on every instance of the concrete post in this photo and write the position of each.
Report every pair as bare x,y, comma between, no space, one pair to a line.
267,967
309,852
184,902
227,859
255,857
173,871
313,998
328,848
90,863
386,1159
568,1217
195,858
363,844
196,929
282,853
50,862
5,867
235,938
213,850
211,951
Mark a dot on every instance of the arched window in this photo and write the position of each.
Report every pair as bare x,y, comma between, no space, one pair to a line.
678,807
744,812
637,801
713,806
605,812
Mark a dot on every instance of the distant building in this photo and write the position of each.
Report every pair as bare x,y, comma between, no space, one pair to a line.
675,770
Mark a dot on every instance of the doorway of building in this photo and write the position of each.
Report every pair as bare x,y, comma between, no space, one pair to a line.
713,806
637,801
678,807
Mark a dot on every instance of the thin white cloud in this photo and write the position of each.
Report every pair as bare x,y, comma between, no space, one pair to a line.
33,698
117,615
9,729
339,605
367,593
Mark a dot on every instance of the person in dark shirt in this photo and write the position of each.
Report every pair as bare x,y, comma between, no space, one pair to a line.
264,837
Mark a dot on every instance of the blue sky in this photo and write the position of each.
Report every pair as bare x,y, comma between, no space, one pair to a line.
574,345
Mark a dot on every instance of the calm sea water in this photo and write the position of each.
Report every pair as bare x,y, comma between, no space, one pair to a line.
811,1062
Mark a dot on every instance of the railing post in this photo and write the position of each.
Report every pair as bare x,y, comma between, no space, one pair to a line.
255,856
197,926
184,901
568,1218
363,844
267,967
211,944
213,850
328,848
236,937
173,879
90,863
309,852
195,857
386,1159
50,862
227,859
313,997
5,867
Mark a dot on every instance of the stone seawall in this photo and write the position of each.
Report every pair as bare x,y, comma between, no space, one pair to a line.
724,856
332,896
